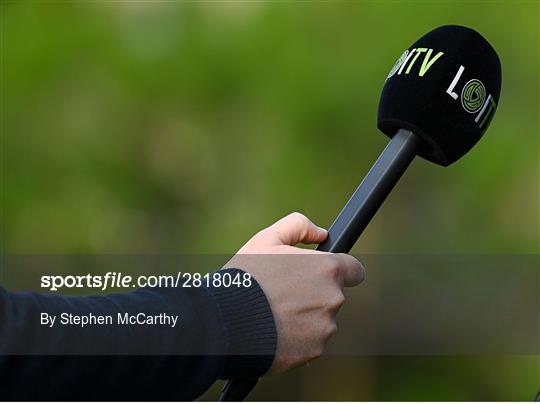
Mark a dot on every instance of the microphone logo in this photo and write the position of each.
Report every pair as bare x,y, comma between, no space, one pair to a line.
407,60
398,63
473,96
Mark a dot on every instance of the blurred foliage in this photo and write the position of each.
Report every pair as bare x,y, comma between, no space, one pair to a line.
186,127
151,127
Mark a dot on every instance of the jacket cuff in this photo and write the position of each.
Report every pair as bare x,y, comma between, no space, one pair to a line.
250,328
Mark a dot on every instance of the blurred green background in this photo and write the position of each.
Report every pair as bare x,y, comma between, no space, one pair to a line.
185,127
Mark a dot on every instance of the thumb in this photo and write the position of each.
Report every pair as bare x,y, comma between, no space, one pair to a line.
297,228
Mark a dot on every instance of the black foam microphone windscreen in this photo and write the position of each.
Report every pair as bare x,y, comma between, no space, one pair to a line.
445,89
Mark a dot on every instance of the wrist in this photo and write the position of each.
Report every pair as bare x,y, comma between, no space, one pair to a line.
250,329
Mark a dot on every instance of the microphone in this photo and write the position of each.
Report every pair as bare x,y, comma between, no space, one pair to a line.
437,101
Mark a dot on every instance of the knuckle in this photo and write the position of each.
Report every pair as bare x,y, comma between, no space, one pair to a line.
299,218
332,329
332,266
318,351
335,302
297,214
339,300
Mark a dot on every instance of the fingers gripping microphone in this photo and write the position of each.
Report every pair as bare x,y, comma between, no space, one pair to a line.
437,102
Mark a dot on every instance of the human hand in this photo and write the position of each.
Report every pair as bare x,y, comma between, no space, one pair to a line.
304,287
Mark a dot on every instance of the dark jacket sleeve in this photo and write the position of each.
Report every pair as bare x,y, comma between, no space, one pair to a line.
227,332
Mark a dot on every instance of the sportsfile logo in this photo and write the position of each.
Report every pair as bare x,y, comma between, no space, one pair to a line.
473,93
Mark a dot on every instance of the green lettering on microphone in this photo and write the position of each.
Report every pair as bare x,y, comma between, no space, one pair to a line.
418,52
427,63
407,60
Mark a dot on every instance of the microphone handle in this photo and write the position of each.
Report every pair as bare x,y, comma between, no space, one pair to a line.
237,389
353,219
371,193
